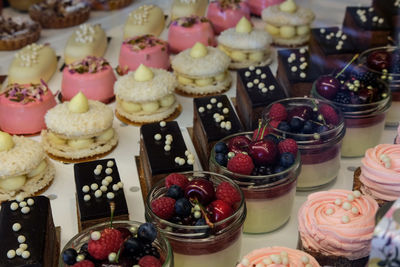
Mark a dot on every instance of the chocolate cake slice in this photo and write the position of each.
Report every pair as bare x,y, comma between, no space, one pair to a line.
97,184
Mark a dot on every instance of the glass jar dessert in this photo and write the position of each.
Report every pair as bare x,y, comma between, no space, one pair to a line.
208,236
318,129
269,193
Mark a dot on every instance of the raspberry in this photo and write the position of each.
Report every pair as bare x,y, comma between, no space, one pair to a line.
110,241
330,115
149,261
277,112
274,123
288,145
84,263
241,163
178,179
163,207
227,193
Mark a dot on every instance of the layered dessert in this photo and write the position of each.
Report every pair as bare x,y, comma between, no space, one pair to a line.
23,106
109,4
202,70
146,19
25,169
97,184
257,6
16,33
256,88
185,8
79,130
245,45
327,223
93,76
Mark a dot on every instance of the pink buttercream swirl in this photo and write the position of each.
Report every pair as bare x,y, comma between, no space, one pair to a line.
338,223
380,172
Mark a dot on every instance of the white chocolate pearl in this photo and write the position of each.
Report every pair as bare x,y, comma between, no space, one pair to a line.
110,195
110,163
303,75
112,256
329,211
85,188
293,68
263,76
104,182
11,254
213,100
354,210
115,187
163,124
23,246
25,210
225,110
21,239
16,227
80,257
19,251
94,186
258,71
276,259
201,109
245,262
251,68
350,197
250,84
345,219
99,167
157,137
357,193
86,197
30,202
120,184
108,178
209,106
97,171
95,235
271,87
247,74
264,90
338,202
305,259
19,198
14,206
98,193
346,205
181,161
219,105
109,171
103,188
26,254
167,147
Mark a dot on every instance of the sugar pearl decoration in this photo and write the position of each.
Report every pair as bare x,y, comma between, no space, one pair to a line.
201,109
251,68
213,100
30,202
19,198
357,193
247,74
98,193
271,87
305,259
14,206
85,188
23,246
80,257
94,186
86,197
163,124
109,171
112,256
209,106
267,261
258,71
354,210
345,219
329,211
19,251
276,259
167,147
120,184
115,187
25,210
16,227
157,137
104,182
11,254
350,197
95,235
97,171
245,262
219,105
108,178
249,84
346,205
225,110
21,239
338,202
103,188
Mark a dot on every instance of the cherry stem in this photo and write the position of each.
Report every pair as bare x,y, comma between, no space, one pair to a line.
348,64
112,209
259,128
202,209
263,131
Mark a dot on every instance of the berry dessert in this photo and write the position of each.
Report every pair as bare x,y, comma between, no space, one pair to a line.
225,14
266,169
318,129
185,8
256,88
185,32
109,4
202,70
245,45
93,76
16,33
146,19
201,214
28,233
257,6
23,106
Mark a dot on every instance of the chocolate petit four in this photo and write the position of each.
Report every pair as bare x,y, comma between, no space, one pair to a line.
256,89
28,233
97,183
214,118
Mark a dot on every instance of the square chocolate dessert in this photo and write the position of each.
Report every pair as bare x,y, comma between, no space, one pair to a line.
296,72
26,225
97,184
213,119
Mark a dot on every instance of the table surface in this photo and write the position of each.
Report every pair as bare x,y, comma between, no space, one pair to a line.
62,191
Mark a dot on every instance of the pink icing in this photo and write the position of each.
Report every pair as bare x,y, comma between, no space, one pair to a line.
380,181
327,234
257,6
294,256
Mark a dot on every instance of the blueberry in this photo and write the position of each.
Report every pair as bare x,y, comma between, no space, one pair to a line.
132,247
221,147
69,256
323,128
279,169
175,192
284,126
221,159
147,233
287,159
183,207
272,137
296,124
308,127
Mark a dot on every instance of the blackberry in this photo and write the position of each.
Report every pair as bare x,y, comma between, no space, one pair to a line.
342,97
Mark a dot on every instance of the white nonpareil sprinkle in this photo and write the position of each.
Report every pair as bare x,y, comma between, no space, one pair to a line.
181,161
112,256
80,257
213,100
247,74
99,167
251,68
18,251
338,202
120,184
201,109
109,179
350,197
86,197
105,182
305,259
258,71
346,205
97,171
264,90
271,87
249,84
23,246
256,81
263,76
95,235
303,50
293,69
225,110
209,106
357,193
26,254
19,198
16,227
303,75
267,261
276,259
167,147
329,211
110,163
245,262
354,210
115,187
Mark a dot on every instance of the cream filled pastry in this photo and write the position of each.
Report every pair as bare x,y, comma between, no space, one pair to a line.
202,70
79,129
245,45
146,95
146,19
24,167
185,8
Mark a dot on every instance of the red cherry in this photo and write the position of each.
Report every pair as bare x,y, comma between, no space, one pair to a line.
379,60
327,86
239,144
200,189
219,210
263,152
302,112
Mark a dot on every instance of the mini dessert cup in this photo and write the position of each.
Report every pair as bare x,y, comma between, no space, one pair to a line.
257,6
320,152
198,246
269,198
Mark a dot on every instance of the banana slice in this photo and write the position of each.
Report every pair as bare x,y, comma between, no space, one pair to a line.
56,139
167,101
220,77
256,56
39,169
130,107
271,29
13,183
107,135
288,32
303,30
238,56
204,82
152,106
223,49
80,143
184,80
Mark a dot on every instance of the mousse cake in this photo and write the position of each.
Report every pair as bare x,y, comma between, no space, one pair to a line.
146,19
184,8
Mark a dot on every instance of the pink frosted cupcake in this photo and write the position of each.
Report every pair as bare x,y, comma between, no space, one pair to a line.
257,6
92,76
147,50
184,32
225,14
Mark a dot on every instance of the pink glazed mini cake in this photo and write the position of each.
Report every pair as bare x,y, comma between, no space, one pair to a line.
257,6
145,49
93,76
23,106
184,32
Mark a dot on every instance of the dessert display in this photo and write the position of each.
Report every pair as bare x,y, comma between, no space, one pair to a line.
16,33
146,19
109,4
225,14
201,214
213,119
318,129
23,106
93,76
266,169
245,45
185,32
336,227
257,6
87,40
145,49
270,256
288,24
185,8
97,184
22,5
32,64
202,70
296,71
28,232
79,130
256,88
60,14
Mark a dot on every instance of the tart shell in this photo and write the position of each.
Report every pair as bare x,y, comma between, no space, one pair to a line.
21,41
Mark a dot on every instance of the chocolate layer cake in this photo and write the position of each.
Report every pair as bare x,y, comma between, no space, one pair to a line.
97,184
27,234
213,119
256,88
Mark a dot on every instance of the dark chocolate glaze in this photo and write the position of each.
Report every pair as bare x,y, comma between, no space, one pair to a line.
387,7
329,46
97,208
369,25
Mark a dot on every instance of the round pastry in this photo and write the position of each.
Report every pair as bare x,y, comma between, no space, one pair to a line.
23,106
109,4
257,6
61,13
185,8
274,256
22,5
24,168
146,95
202,70
245,46
336,227
288,24
16,33
79,130
184,32
92,76
146,19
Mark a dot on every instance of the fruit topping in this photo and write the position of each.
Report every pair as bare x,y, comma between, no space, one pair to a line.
277,112
263,152
288,145
241,163
327,86
163,207
149,261
176,179
201,190
84,263
239,144
379,60
219,210
226,192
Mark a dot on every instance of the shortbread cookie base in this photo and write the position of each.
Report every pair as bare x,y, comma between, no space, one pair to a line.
198,91
292,42
246,64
